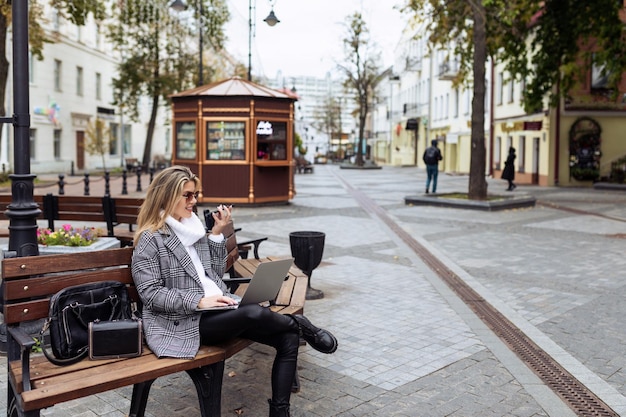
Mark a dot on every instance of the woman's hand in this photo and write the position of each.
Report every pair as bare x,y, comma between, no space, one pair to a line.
222,218
216,301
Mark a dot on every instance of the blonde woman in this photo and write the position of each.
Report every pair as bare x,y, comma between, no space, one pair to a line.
177,269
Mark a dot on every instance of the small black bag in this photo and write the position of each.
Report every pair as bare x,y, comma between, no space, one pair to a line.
71,311
115,339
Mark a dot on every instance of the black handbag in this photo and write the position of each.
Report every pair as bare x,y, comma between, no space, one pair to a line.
71,311
115,339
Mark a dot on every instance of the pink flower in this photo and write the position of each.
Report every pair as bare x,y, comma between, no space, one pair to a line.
67,227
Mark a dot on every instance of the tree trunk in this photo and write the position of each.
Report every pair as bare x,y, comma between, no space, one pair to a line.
147,150
477,182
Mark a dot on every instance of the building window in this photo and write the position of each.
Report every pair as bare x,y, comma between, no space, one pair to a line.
58,66
521,153
56,20
497,149
511,93
79,81
57,144
599,75
468,102
98,86
456,103
500,88
98,36
33,141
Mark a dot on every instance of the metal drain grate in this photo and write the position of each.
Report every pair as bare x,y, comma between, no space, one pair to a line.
578,397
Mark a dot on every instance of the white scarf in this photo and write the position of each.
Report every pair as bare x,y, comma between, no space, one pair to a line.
189,231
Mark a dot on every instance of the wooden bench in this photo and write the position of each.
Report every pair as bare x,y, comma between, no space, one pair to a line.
131,164
121,216
303,166
5,200
35,383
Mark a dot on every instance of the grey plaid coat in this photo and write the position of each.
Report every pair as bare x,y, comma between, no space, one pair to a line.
170,289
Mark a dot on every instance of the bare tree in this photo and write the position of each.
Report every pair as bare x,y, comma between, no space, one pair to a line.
361,70
99,138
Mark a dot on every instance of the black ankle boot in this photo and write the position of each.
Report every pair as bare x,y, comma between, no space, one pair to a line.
319,339
278,410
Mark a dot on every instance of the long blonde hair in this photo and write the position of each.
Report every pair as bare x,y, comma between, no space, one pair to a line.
163,194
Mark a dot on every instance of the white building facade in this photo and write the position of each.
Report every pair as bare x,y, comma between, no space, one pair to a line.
71,88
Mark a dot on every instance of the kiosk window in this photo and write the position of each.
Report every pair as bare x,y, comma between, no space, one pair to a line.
226,140
186,140
271,139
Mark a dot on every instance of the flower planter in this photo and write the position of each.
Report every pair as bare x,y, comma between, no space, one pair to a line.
100,244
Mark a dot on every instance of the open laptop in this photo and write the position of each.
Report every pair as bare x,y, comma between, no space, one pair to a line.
264,285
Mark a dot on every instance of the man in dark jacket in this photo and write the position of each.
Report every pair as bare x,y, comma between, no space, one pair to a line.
431,157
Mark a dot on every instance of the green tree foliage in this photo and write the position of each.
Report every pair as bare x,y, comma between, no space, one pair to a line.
564,36
361,70
157,46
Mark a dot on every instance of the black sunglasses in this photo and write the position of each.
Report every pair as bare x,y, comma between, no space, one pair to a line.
189,194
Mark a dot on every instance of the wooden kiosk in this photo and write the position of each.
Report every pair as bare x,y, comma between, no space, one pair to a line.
238,137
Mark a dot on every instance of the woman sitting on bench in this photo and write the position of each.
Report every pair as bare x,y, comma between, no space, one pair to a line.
177,270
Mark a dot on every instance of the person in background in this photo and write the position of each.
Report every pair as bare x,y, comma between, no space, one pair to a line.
178,271
431,157
508,173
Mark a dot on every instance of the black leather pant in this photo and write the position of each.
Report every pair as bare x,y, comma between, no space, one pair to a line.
261,325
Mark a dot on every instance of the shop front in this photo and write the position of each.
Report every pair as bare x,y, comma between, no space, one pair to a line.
238,137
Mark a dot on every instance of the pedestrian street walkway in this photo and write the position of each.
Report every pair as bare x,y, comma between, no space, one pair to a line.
407,345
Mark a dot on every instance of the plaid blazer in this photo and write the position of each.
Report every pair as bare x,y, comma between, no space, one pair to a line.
170,289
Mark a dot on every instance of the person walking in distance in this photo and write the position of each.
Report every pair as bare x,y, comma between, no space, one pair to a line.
509,169
431,157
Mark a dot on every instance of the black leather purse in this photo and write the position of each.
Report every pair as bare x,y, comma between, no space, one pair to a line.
115,339
71,311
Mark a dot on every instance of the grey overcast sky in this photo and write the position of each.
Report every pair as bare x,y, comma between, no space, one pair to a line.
308,39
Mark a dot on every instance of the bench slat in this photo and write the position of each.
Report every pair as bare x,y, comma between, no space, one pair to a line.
51,390
13,268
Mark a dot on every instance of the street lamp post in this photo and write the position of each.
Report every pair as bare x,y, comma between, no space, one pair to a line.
23,211
271,20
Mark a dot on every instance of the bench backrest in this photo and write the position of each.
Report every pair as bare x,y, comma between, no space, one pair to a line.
30,281
231,245
6,199
74,208
122,210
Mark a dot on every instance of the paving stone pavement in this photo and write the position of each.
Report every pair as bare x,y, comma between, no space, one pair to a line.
407,345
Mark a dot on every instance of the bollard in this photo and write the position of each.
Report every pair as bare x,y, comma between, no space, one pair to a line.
61,184
72,168
124,185
107,189
4,168
151,174
139,178
86,184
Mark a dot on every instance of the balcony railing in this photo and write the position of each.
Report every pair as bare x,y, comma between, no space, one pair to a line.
448,70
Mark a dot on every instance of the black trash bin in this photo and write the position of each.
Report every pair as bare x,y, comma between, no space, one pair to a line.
307,248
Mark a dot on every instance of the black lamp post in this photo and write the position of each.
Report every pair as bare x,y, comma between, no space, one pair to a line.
271,20
23,211
179,6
